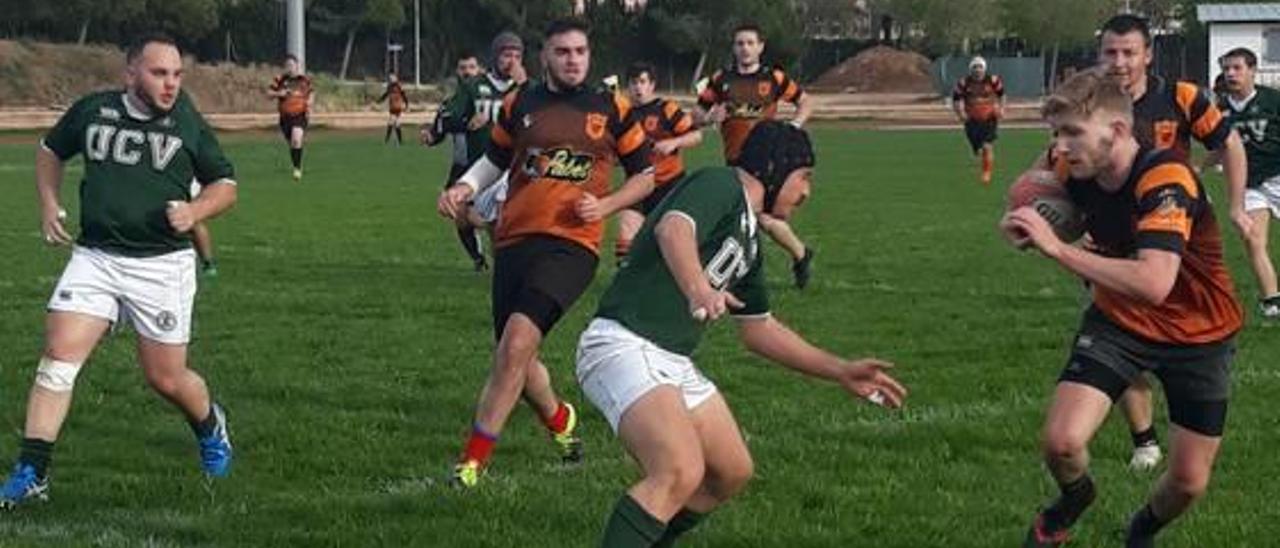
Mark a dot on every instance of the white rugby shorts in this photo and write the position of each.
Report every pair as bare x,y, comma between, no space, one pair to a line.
153,294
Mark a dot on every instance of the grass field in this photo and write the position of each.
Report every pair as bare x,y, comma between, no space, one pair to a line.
348,338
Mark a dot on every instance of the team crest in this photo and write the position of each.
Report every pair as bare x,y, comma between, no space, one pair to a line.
650,124
763,89
166,321
1165,132
596,123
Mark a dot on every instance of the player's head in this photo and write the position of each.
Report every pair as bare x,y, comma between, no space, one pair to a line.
1124,48
1089,114
153,71
393,78
291,65
748,44
978,67
468,65
778,157
641,81
566,53
1239,68
505,52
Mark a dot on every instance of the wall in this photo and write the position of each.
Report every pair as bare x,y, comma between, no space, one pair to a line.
1226,36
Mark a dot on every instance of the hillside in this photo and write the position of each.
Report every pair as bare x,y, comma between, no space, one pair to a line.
42,75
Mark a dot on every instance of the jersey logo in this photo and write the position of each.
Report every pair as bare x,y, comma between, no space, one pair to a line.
125,146
650,124
1257,130
108,113
1164,133
763,89
559,163
596,123
729,263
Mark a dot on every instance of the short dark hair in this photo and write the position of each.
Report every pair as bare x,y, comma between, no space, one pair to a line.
468,54
641,67
291,57
136,47
1250,58
749,27
567,24
1126,23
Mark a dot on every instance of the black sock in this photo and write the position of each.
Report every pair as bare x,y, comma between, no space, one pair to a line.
295,154
1076,497
1145,437
387,137
631,526
399,138
1143,528
470,242
684,521
37,453
205,427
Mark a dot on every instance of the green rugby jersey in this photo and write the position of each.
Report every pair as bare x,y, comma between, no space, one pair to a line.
484,93
644,296
1257,120
133,167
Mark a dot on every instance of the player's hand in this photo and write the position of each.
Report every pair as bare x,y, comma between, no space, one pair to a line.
181,217
453,199
708,304
51,226
666,147
477,121
1242,220
1028,226
717,114
867,378
518,74
588,208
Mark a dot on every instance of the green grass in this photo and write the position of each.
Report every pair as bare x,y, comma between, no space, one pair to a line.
349,338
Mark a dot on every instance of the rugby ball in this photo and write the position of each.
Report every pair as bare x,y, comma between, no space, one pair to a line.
1041,190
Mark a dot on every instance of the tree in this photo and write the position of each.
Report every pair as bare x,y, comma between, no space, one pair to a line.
1055,24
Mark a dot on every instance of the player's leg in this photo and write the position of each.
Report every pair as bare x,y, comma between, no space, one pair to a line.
1137,408
297,135
395,121
69,340
801,255
1259,206
728,466
159,300
1197,385
391,122
560,417
658,433
973,134
1076,413
203,242
988,150
629,223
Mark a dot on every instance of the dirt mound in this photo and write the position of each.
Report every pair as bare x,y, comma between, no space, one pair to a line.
879,69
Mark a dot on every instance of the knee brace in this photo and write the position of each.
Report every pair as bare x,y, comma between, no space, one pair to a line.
55,375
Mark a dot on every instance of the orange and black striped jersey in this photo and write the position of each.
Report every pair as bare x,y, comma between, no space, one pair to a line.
1169,114
298,91
1163,206
980,96
559,145
397,100
663,119
748,99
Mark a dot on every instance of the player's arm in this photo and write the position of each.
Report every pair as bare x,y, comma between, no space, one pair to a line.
1000,96
1212,130
866,377
214,199
685,133
633,150
710,108
488,168
1163,228
48,183
276,89
792,93
957,102
676,234
385,93
218,185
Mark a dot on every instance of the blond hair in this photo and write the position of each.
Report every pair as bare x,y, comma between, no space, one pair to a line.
1087,93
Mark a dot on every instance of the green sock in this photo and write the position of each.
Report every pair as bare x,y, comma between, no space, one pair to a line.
682,523
630,526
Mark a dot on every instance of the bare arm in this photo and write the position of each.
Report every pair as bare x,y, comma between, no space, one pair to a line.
688,140
678,241
865,377
804,109
1236,169
214,199
591,208
1148,278
48,184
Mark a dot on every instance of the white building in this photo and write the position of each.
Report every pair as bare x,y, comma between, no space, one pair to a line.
1253,26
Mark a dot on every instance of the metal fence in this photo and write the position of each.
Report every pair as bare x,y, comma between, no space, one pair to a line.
1023,76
